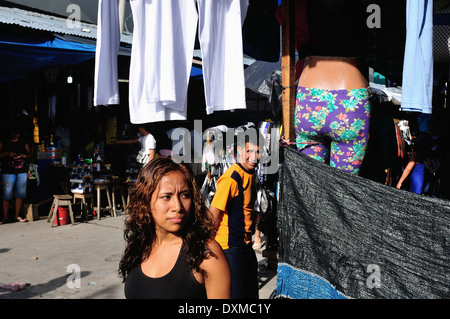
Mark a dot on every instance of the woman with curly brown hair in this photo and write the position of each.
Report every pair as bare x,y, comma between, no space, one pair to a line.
170,251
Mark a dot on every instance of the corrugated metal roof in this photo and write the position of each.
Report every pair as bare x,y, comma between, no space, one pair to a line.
53,24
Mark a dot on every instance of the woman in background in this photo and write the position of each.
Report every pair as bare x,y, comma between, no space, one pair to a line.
14,154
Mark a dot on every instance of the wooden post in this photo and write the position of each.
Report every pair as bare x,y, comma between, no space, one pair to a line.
288,68
288,97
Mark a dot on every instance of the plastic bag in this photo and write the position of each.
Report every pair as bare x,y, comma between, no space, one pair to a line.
208,190
142,157
265,198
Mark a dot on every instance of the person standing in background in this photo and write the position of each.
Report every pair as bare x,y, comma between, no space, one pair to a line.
232,209
14,154
148,144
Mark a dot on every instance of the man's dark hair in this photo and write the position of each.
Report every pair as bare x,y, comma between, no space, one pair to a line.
251,135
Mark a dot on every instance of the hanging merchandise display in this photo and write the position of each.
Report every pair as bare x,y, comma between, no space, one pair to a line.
417,84
162,53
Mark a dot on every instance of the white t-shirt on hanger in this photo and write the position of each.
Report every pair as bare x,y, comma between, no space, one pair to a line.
162,51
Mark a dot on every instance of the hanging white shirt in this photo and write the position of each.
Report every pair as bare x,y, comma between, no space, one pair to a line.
161,58
106,86
220,36
144,107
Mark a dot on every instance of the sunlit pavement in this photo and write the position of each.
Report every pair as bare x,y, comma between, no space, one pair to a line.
49,260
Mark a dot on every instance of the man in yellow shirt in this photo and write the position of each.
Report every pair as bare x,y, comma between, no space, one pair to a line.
232,209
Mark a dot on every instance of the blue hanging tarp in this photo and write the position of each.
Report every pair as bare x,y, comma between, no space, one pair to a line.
21,56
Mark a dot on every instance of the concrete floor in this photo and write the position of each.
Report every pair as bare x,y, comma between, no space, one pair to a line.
45,257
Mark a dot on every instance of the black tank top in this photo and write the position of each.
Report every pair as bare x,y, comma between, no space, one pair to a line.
179,283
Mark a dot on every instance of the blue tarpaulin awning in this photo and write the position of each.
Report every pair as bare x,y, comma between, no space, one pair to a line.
21,56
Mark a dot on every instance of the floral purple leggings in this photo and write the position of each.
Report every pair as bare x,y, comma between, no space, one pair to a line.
333,125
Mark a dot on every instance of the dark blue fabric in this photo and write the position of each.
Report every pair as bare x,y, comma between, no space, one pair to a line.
417,178
244,272
441,19
236,223
261,31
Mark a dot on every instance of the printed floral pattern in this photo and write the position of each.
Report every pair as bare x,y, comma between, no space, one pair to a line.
333,125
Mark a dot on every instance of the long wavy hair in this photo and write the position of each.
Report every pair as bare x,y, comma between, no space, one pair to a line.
139,232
